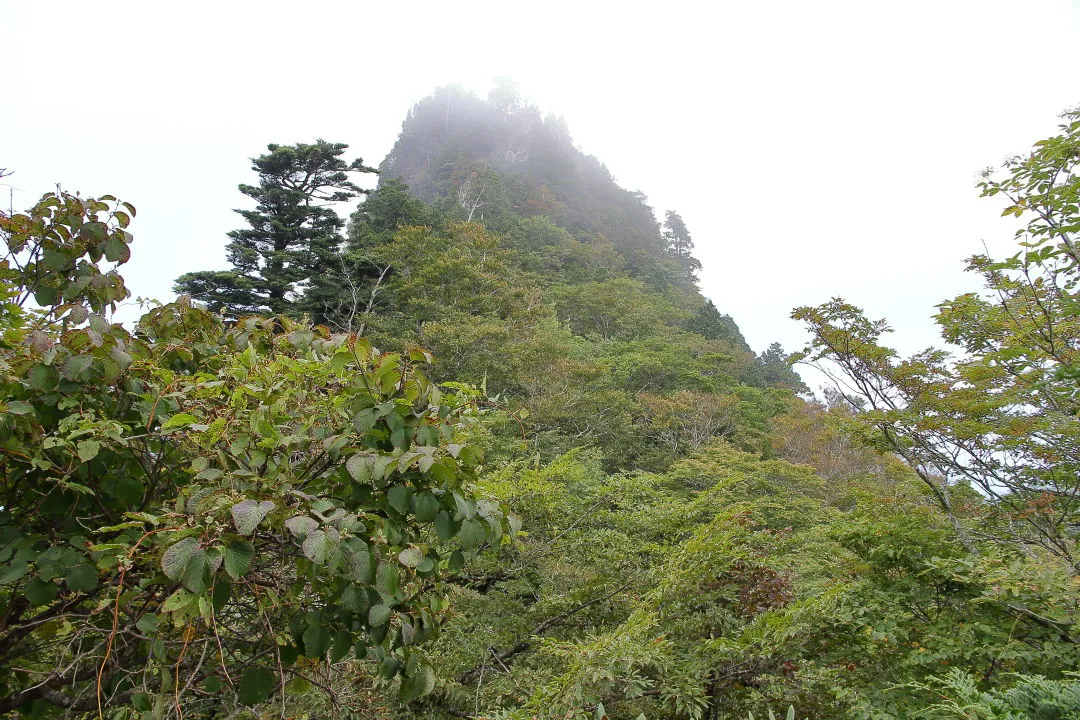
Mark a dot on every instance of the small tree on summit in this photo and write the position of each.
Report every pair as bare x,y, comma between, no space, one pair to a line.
680,246
293,230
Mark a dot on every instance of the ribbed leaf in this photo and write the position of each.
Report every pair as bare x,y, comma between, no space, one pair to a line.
248,514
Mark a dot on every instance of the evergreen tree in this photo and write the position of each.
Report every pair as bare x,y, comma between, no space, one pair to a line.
680,246
386,209
774,370
710,324
293,231
345,290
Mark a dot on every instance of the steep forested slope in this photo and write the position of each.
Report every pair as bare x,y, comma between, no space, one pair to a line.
501,160
519,467
523,265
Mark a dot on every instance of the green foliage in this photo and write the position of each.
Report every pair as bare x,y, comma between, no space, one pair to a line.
344,295
789,716
1003,417
992,435
569,307
620,309
254,516
292,232
710,324
1030,698
202,506
728,584
51,258
501,160
680,246
774,369
385,210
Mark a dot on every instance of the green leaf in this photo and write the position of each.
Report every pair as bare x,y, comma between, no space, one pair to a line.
148,623
248,514
206,610
93,230
256,685
398,498
238,556
466,507
444,472
359,560
123,360
379,474
40,592
197,572
55,260
445,527
221,593
316,641
288,654
298,686
387,580
317,546
301,525
425,507
378,615
18,407
179,420
355,599
343,642
388,667
77,487
410,557
143,702
98,323
473,533
13,571
360,467
365,420
174,561
116,250
43,377
76,367
388,381
178,601
88,449
419,684
399,439
46,296
301,338
82,578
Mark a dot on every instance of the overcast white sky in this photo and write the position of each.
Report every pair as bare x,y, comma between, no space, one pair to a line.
815,149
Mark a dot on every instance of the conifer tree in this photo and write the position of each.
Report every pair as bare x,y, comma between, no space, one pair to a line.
344,291
293,231
774,369
710,324
680,246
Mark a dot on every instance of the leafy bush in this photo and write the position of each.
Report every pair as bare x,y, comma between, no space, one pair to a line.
197,516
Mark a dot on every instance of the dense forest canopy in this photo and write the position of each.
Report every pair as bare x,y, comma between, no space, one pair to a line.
483,449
